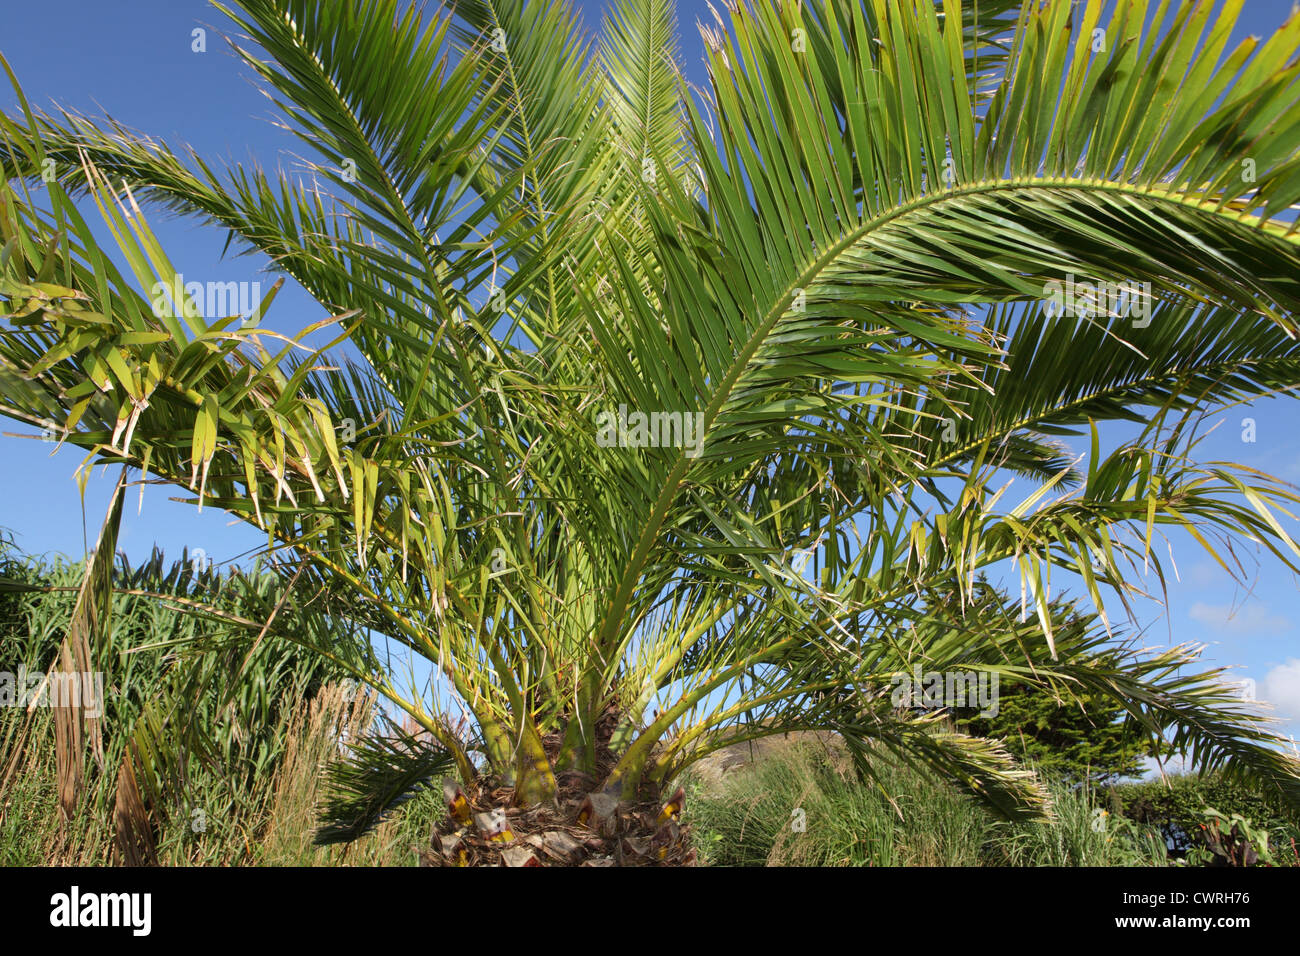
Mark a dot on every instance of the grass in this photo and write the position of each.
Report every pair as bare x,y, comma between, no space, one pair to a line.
266,741
753,820
269,823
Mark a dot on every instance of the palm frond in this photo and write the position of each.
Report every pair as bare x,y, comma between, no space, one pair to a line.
379,773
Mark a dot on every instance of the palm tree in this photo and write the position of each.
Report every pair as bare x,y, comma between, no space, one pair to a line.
615,362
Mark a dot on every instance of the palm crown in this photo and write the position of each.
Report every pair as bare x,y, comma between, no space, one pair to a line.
615,361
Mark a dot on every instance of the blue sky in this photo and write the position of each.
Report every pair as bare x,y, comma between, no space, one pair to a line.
134,60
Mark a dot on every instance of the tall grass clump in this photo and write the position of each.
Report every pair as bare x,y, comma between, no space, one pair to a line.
319,735
210,724
804,806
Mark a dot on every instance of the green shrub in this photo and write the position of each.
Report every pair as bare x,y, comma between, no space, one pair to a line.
1178,809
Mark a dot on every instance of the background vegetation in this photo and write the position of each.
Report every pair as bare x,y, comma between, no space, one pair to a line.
750,820
255,795
260,725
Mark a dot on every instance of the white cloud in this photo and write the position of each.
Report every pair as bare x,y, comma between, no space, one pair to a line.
1250,619
1281,688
